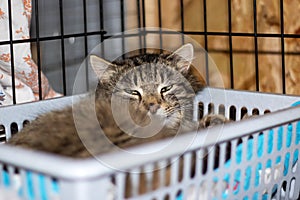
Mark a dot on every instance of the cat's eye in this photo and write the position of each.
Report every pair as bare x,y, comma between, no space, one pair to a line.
165,89
133,92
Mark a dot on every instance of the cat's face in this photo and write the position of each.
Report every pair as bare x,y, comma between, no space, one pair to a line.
158,88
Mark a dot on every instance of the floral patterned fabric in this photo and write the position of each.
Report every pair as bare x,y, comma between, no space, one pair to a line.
26,71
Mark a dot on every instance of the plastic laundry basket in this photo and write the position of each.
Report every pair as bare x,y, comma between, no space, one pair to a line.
257,157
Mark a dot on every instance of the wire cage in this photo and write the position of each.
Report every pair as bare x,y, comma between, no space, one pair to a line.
57,41
258,157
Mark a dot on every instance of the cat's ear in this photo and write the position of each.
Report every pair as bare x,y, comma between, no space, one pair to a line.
101,67
184,57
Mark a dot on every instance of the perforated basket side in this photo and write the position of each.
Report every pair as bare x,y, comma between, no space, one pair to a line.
13,118
81,179
234,103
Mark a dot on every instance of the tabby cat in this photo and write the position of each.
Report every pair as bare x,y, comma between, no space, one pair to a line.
157,87
138,99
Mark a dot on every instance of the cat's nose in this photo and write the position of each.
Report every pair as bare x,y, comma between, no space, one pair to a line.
153,107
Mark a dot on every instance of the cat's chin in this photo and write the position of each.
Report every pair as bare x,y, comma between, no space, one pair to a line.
169,121
160,115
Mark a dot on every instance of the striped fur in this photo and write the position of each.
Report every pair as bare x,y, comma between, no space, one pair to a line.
158,87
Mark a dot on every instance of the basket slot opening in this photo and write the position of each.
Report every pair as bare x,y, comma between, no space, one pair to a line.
275,192
232,113
180,169
193,165
187,166
265,195
228,151
2,134
216,157
283,186
222,109
204,161
239,142
179,194
25,123
250,149
295,161
200,110
156,177
166,197
211,108
128,187
14,128
244,112
255,111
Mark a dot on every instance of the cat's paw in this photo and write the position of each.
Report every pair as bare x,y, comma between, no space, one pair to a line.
212,120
